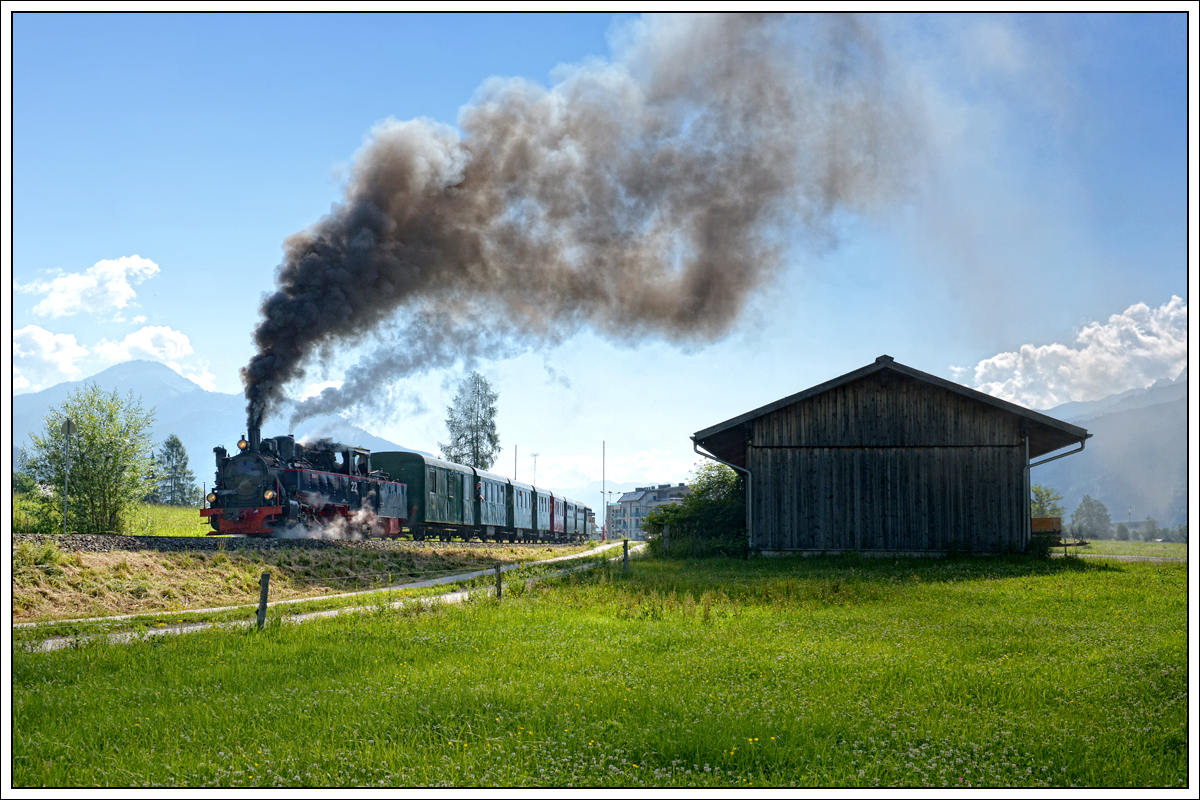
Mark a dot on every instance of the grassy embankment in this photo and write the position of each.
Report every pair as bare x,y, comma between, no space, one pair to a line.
825,672
49,583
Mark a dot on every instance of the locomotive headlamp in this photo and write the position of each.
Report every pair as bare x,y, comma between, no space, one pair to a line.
212,497
243,444
269,494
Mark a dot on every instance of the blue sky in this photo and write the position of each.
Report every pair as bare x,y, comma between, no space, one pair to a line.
1048,202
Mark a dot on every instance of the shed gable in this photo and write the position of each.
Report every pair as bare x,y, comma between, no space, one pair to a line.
886,408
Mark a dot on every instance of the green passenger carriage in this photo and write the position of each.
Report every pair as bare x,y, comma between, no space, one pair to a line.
452,500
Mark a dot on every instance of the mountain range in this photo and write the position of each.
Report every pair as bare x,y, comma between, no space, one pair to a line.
1135,463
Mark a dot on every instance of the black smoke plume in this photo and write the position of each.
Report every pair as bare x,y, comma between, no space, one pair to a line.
646,196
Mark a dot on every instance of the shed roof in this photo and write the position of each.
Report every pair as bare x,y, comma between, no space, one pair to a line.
727,440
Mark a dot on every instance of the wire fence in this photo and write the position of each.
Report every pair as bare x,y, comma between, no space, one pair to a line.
377,579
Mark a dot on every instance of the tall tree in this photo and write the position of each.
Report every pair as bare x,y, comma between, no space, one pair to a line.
1091,519
175,483
1150,530
1045,502
471,422
110,457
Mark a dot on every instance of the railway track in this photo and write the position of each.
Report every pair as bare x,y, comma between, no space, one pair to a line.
105,543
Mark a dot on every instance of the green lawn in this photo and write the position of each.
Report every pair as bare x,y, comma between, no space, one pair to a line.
774,672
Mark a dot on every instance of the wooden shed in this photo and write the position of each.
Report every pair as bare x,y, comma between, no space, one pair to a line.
888,459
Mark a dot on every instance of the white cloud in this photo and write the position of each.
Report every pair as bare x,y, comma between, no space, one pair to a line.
1130,351
108,284
42,358
204,379
156,342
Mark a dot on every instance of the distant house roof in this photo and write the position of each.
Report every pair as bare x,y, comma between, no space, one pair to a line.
632,497
727,440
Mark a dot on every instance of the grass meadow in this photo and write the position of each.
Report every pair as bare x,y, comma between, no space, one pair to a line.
149,519
770,672
1107,547
144,519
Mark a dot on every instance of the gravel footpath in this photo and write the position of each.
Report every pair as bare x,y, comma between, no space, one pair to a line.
89,543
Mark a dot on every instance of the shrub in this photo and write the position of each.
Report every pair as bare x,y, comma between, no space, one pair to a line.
710,521
36,513
1040,545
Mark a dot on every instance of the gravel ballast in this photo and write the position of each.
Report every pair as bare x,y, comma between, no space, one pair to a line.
96,543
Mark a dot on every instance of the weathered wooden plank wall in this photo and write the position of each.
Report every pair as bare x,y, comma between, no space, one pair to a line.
888,463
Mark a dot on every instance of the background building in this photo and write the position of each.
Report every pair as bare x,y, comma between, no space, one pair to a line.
626,515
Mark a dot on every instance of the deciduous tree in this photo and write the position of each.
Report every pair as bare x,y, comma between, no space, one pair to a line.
471,422
1150,530
1045,502
110,457
1091,519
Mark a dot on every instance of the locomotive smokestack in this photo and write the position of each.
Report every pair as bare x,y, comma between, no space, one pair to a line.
648,196
254,437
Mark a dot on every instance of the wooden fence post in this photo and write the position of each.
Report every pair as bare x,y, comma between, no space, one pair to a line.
625,563
264,584
499,584
666,539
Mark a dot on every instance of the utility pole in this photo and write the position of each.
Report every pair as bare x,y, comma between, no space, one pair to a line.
603,482
68,429
514,462
535,455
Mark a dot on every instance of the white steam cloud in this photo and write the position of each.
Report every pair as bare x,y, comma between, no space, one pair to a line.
1130,351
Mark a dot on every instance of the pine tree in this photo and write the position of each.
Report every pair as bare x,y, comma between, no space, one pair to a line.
471,422
175,483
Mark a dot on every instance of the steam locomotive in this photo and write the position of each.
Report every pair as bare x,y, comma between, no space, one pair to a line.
279,487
